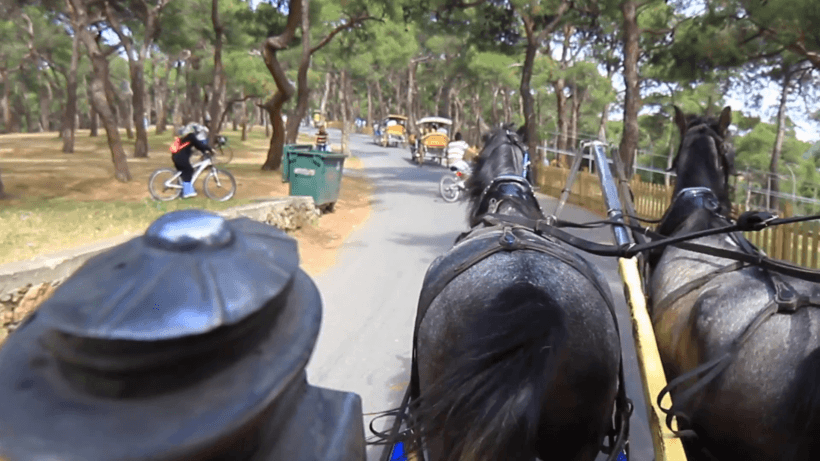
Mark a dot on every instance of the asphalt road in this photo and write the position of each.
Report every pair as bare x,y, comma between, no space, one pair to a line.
370,295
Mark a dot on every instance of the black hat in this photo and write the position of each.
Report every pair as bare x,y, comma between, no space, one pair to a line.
172,345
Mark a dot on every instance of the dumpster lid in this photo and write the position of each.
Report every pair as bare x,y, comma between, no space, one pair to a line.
172,282
319,153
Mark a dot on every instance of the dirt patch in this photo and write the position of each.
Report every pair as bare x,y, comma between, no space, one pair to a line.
36,173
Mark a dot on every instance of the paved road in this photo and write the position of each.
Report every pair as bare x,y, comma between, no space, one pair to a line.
370,295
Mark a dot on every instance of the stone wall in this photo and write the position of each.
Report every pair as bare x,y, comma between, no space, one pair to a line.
25,285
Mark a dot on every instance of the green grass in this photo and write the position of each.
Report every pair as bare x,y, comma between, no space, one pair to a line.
41,227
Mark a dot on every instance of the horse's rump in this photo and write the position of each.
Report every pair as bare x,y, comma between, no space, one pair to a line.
530,309
768,368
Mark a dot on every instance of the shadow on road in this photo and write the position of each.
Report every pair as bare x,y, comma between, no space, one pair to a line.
439,243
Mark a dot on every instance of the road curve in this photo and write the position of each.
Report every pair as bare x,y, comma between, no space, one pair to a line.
370,295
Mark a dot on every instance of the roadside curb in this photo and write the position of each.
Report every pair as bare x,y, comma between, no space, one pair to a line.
55,267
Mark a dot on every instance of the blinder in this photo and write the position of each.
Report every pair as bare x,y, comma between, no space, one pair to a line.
506,187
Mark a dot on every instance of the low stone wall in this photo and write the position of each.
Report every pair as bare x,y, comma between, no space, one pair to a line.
24,285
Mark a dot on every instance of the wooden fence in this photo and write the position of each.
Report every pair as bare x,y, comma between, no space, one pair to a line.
798,243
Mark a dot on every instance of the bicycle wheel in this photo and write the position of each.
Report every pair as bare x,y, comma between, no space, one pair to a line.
449,188
219,185
163,186
224,154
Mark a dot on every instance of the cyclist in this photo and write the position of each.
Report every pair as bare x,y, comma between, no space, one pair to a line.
456,149
190,136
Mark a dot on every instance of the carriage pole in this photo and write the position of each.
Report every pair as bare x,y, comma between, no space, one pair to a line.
667,446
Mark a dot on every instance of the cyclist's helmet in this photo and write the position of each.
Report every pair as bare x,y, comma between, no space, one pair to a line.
201,131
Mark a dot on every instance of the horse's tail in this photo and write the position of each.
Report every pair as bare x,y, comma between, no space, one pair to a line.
804,409
487,406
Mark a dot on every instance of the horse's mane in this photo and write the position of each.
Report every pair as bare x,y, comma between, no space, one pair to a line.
495,159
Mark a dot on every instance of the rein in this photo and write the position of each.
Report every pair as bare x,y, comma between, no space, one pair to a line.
749,221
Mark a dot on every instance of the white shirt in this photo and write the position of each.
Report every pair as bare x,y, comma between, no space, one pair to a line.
457,148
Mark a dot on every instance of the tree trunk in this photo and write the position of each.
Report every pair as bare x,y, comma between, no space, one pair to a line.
380,100
215,110
397,108
45,102
369,104
302,87
602,123
578,99
138,106
284,89
94,123
244,120
411,83
344,85
325,95
161,91
102,93
778,140
68,127
4,101
102,105
124,112
20,106
475,139
561,114
3,194
194,94
632,95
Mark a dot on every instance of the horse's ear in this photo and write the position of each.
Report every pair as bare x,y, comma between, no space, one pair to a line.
680,120
725,120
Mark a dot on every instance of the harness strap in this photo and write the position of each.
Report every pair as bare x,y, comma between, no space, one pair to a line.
692,285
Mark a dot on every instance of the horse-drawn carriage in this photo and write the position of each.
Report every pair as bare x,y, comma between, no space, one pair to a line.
391,131
430,140
732,329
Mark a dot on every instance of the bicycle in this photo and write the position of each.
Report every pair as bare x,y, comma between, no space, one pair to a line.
171,188
223,152
452,185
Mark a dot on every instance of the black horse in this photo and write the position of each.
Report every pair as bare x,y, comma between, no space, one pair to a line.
517,353
741,333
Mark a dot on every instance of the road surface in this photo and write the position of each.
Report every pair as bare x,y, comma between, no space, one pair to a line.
370,295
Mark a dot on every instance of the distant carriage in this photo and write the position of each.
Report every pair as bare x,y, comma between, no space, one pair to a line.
391,131
431,139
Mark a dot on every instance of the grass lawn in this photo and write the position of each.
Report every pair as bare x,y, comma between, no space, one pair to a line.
66,200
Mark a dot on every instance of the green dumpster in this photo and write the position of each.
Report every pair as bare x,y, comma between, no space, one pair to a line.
317,174
286,153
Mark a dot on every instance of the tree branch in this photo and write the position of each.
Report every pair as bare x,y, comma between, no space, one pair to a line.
352,22
117,27
229,105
